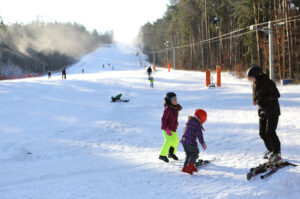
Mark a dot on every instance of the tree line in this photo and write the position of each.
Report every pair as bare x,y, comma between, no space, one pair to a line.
192,21
39,47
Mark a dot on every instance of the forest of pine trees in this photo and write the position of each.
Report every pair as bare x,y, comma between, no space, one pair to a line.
39,47
189,22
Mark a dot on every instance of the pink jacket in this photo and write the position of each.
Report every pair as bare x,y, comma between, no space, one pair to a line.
169,119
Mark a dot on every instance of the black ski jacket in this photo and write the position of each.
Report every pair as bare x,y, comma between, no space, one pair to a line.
265,95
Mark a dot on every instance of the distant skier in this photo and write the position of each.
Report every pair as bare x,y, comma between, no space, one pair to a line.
193,130
64,73
169,124
49,74
82,71
149,71
103,66
151,82
265,95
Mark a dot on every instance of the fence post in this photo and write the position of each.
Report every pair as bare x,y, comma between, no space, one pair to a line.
218,76
207,78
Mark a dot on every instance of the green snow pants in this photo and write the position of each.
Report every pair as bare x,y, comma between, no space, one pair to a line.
170,141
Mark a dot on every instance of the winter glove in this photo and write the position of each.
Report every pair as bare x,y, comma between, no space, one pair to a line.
168,131
204,146
260,103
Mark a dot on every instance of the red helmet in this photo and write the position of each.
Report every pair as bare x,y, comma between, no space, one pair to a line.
201,114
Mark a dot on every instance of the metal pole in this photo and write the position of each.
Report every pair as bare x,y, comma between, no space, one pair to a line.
271,53
174,58
154,58
167,55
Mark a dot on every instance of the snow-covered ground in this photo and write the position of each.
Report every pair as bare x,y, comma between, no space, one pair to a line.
64,139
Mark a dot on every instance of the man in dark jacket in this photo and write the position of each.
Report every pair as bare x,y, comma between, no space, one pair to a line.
265,95
149,71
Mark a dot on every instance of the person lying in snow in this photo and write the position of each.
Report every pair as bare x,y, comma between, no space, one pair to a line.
118,98
193,130
169,124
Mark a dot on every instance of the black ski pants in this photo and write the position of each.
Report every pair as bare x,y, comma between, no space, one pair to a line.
267,132
191,154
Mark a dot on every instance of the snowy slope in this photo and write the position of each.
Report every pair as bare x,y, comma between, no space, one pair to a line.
63,139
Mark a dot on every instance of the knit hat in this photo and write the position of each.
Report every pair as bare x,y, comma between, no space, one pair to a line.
168,97
254,71
201,115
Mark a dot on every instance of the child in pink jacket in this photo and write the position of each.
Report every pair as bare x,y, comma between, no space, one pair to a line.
169,124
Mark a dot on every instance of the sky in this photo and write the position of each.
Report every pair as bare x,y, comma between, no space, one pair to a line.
124,17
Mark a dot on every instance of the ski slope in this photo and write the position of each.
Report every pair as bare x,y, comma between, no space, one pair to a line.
64,139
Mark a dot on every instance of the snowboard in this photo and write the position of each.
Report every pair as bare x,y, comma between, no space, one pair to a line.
121,100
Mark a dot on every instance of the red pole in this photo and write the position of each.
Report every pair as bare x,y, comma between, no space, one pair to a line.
169,67
153,66
218,76
207,77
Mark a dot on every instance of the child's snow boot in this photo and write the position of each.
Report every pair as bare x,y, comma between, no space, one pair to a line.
171,154
164,158
192,167
187,170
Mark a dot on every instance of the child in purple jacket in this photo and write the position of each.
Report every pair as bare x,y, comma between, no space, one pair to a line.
192,131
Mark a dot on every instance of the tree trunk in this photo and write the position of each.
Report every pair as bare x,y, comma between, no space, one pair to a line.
256,19
288,37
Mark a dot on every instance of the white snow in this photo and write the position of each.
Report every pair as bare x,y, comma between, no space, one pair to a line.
64,139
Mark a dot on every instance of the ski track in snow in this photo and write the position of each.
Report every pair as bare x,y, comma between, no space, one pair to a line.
64,139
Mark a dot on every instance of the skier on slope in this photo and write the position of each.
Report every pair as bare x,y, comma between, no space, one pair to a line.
151,82
265,95
169,124
149,71
193,130
64,73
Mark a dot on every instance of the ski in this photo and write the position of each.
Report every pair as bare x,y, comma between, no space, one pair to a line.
268,167
257,170
277,166
201,163
269,173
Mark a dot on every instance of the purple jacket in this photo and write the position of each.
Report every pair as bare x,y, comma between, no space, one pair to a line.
169,119
193,130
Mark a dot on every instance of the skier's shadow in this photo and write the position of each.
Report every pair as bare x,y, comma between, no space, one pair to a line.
231,172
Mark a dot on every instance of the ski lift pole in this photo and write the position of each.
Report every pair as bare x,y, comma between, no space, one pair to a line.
153,60
271,53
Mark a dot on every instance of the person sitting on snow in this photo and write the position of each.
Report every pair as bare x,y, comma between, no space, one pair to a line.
193,130
118,98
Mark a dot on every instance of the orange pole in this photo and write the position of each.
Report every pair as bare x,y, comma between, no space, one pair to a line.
169,67
207,77
218,76
153,66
